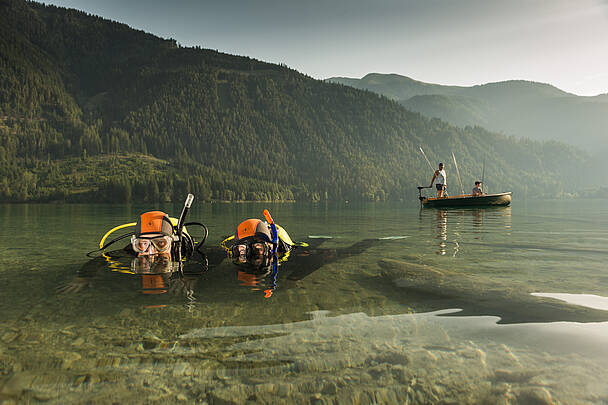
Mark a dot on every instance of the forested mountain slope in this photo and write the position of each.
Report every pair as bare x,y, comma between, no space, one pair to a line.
521,108
93,110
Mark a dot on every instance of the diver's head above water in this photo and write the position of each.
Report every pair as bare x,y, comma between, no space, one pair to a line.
252,244
153,234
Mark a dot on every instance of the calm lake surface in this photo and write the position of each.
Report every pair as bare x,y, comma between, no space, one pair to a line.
501,305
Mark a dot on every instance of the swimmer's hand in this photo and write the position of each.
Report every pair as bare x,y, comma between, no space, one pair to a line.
74,286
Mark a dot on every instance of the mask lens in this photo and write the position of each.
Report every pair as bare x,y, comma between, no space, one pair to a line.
162,244
258,249
239,253
140,245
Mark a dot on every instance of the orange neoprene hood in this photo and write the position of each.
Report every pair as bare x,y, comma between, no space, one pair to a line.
252,228
153,222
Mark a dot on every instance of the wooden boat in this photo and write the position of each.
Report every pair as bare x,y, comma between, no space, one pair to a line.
467,200
463,200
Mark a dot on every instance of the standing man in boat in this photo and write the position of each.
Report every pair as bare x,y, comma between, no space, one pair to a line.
441,183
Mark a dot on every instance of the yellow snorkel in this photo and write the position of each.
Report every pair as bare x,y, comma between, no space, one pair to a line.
103,239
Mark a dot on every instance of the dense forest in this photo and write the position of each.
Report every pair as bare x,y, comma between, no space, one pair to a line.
92,110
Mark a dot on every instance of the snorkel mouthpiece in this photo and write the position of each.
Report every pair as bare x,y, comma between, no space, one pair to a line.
268,217
273,228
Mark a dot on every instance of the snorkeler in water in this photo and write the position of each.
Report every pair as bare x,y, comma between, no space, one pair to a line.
258,248
161,252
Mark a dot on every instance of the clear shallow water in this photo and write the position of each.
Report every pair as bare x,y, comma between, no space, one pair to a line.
441,309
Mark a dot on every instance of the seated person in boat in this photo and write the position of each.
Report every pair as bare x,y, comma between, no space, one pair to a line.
477,192
441,184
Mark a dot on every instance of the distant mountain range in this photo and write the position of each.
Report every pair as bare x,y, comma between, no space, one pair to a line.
516,107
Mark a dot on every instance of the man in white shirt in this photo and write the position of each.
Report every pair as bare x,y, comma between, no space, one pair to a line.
441,181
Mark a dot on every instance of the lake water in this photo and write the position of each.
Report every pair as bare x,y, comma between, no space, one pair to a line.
501,305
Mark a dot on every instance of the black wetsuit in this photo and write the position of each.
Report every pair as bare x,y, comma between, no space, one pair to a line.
299,260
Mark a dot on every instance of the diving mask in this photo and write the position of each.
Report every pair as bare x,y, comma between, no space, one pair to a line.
254,251
142,244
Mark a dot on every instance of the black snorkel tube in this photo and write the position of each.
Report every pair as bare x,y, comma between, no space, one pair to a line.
182,216
180,226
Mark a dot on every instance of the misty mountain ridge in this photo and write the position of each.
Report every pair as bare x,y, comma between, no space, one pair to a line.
398,87
515,107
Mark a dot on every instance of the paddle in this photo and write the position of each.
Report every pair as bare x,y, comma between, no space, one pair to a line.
427,159
430,167
458,172
483,175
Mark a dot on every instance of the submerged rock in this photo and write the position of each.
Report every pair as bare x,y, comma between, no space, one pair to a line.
182,369
478,295
535,396
78,342
232,395
515,376
15,384
330,388
9,336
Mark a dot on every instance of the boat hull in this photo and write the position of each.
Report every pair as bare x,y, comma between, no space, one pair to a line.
487,200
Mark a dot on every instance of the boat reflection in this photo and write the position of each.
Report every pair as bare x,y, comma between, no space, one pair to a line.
442,231
463,221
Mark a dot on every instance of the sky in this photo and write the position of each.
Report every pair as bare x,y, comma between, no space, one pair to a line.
451,42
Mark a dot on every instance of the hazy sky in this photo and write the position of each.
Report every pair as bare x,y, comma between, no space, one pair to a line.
457,42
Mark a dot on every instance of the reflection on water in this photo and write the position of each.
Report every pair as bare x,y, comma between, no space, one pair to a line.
442,232
155,274
459,221
401,305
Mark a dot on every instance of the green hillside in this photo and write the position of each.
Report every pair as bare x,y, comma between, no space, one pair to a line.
92,110
457,110
527,109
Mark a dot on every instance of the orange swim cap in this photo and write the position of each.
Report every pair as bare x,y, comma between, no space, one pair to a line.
153,222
